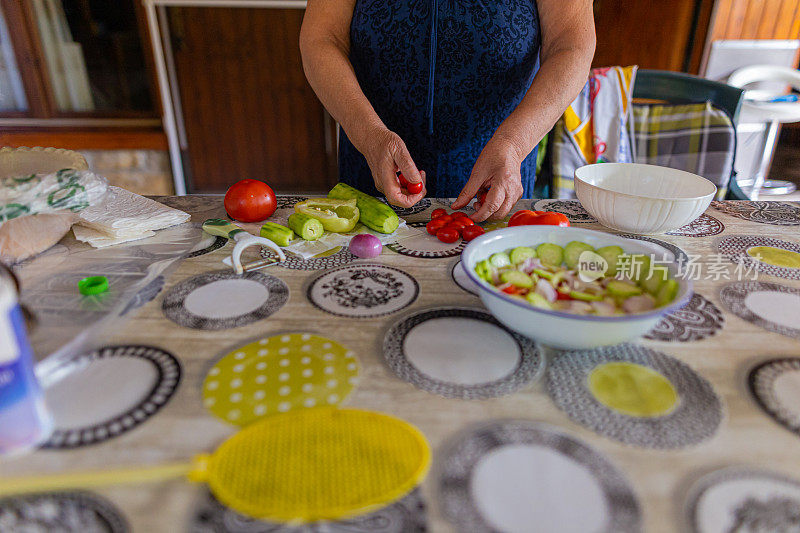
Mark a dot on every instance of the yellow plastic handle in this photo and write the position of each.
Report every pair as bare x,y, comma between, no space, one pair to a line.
86,480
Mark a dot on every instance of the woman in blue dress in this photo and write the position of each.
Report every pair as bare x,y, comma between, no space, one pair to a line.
453,93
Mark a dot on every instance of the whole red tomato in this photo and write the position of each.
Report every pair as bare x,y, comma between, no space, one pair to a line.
413,188
447,235
525,217
471,232
250,201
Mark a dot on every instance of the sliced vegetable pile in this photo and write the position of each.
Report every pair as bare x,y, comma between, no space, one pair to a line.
547,277
450,228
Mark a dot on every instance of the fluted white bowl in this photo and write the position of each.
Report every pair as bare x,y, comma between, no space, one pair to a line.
642,199
561,329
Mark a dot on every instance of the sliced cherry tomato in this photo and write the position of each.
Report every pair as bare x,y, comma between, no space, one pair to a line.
445,218
561,296
413,188
471,232
447,235
466,221
525,217
437,213
511,289
435,225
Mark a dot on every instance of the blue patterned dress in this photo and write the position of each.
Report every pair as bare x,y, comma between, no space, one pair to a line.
442,74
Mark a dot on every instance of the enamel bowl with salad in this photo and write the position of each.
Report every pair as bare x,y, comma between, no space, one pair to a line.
574,288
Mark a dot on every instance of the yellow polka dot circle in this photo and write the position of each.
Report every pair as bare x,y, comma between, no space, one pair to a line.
278,374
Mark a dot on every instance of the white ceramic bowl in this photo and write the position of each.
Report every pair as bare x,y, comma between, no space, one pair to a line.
642,199
557,328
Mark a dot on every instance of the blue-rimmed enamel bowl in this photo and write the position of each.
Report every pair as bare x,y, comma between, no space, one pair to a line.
558,328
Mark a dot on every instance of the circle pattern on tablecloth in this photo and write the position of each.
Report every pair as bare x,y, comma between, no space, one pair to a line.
695,321
703,226
771,306
277,374
696,417
363,290
426,246
573,209
447,202
134,382
284,201
64,512
507,475
775,384
407,515
461,279
478,358
744,499
146,295
222,299
681,257
739,249
775,213
335,257
419,207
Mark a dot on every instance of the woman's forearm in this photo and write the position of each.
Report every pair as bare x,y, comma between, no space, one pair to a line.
328,70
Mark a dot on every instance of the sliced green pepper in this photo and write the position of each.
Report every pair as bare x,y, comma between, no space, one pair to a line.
339,216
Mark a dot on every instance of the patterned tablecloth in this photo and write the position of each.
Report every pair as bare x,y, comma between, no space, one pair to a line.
695,425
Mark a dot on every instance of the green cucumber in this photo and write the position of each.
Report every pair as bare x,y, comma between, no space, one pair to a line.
280,235
640,267
537,300
667,293
500,260
573,251
611,254
623,289
372,212
307,227
517,279
546,274
585,296
484,270
521,253
653,283
550,254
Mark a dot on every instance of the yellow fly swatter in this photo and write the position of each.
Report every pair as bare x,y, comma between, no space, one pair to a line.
314,464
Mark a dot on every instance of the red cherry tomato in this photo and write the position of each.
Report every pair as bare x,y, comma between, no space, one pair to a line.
435,225
445,218
471,232
413,188
437,213
448,235
250,201
466,221
456,224
525,217
459,214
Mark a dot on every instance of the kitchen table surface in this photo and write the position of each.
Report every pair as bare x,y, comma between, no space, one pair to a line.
708,353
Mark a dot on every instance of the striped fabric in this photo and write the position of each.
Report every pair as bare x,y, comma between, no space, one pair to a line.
697,138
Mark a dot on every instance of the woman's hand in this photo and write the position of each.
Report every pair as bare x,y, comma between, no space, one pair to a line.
386,154
498,170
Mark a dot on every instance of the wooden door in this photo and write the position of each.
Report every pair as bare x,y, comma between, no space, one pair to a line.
247,107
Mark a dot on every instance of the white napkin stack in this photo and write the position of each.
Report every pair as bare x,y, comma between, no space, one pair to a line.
124,217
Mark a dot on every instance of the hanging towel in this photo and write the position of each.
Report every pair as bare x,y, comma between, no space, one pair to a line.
595,127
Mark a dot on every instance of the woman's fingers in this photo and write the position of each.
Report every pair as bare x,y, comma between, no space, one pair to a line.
469,191
404,161
494,201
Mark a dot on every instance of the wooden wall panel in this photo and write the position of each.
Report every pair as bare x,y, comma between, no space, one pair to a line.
247,107
756,19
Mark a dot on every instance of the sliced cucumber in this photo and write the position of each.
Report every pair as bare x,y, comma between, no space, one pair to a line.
550,254
667,293
521,253
640,267
500,260
307,227
653,283
517,279
537,300
623,289
484,270
573,251
280,235
585,296
546,274
611,255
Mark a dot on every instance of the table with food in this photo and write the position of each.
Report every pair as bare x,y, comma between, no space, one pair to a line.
623,361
